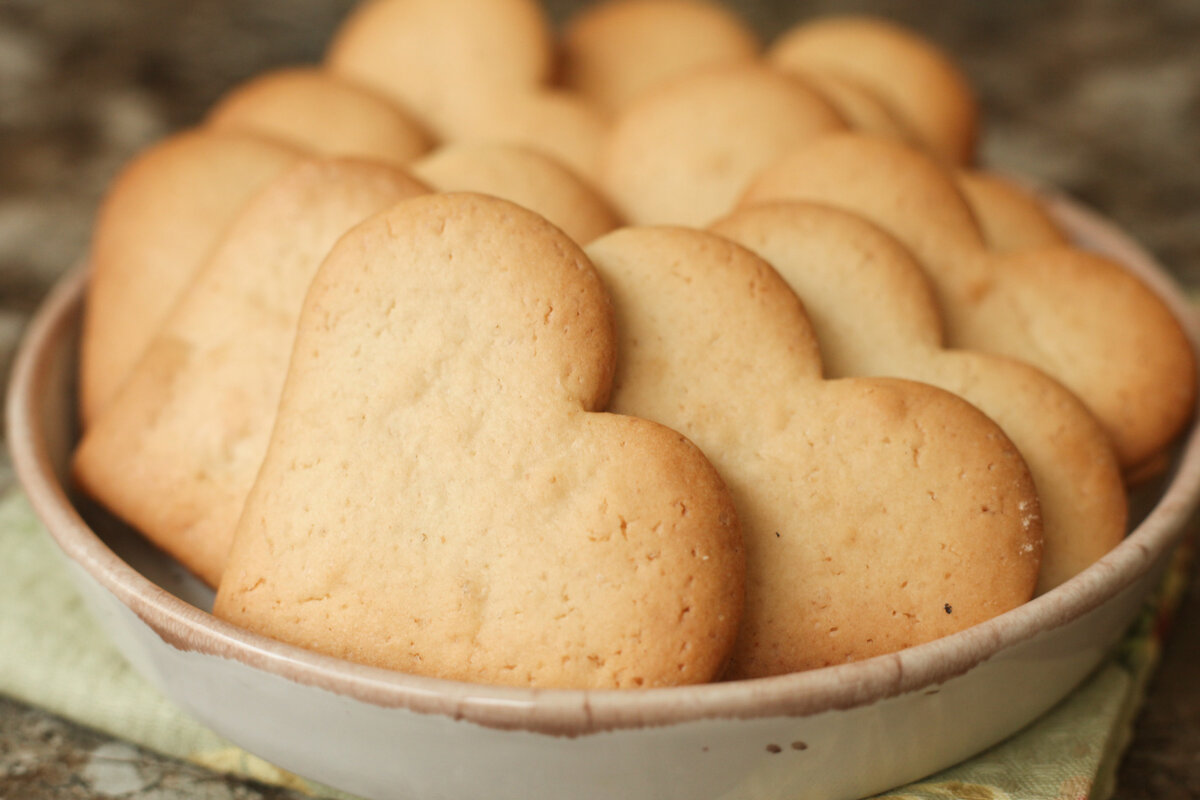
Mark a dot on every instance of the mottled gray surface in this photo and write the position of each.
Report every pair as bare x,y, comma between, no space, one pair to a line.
1100,97
45,758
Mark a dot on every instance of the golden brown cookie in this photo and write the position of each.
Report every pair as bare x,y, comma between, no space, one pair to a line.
560,124
877,513
683,154
874,314
159,219
176,451
1079,317
1010,215
615,50
440,496
320,112
439,57
525,177
863,109
907,71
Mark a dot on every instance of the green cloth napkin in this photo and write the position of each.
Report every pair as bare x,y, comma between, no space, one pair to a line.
55,657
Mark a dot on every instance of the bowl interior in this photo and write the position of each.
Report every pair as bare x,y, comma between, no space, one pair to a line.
43,432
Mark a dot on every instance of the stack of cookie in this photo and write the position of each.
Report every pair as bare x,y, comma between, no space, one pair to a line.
631,357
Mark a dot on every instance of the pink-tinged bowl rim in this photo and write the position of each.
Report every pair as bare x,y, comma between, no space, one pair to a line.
580,712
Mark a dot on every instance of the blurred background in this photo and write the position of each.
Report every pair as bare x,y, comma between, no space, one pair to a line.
1098,97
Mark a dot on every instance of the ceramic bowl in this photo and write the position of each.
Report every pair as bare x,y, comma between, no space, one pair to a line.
839,732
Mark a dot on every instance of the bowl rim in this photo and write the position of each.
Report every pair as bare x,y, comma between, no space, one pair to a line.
575,712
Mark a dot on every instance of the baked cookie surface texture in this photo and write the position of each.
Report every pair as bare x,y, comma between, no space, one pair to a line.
683,153
441,58
909,73
616,50
159,220
525,177
1011,216
314,109
874,314
877,513
177,450
439,495
1078,316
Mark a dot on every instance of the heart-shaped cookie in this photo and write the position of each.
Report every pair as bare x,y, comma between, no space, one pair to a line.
321,112
525,177
158,222
1077,316
874,314
562,124
683,153
440,496
877,513
908,72
177,450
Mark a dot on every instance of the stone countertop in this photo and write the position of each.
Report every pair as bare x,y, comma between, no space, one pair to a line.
1098,97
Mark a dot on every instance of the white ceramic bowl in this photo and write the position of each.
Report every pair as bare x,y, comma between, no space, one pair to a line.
840,732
